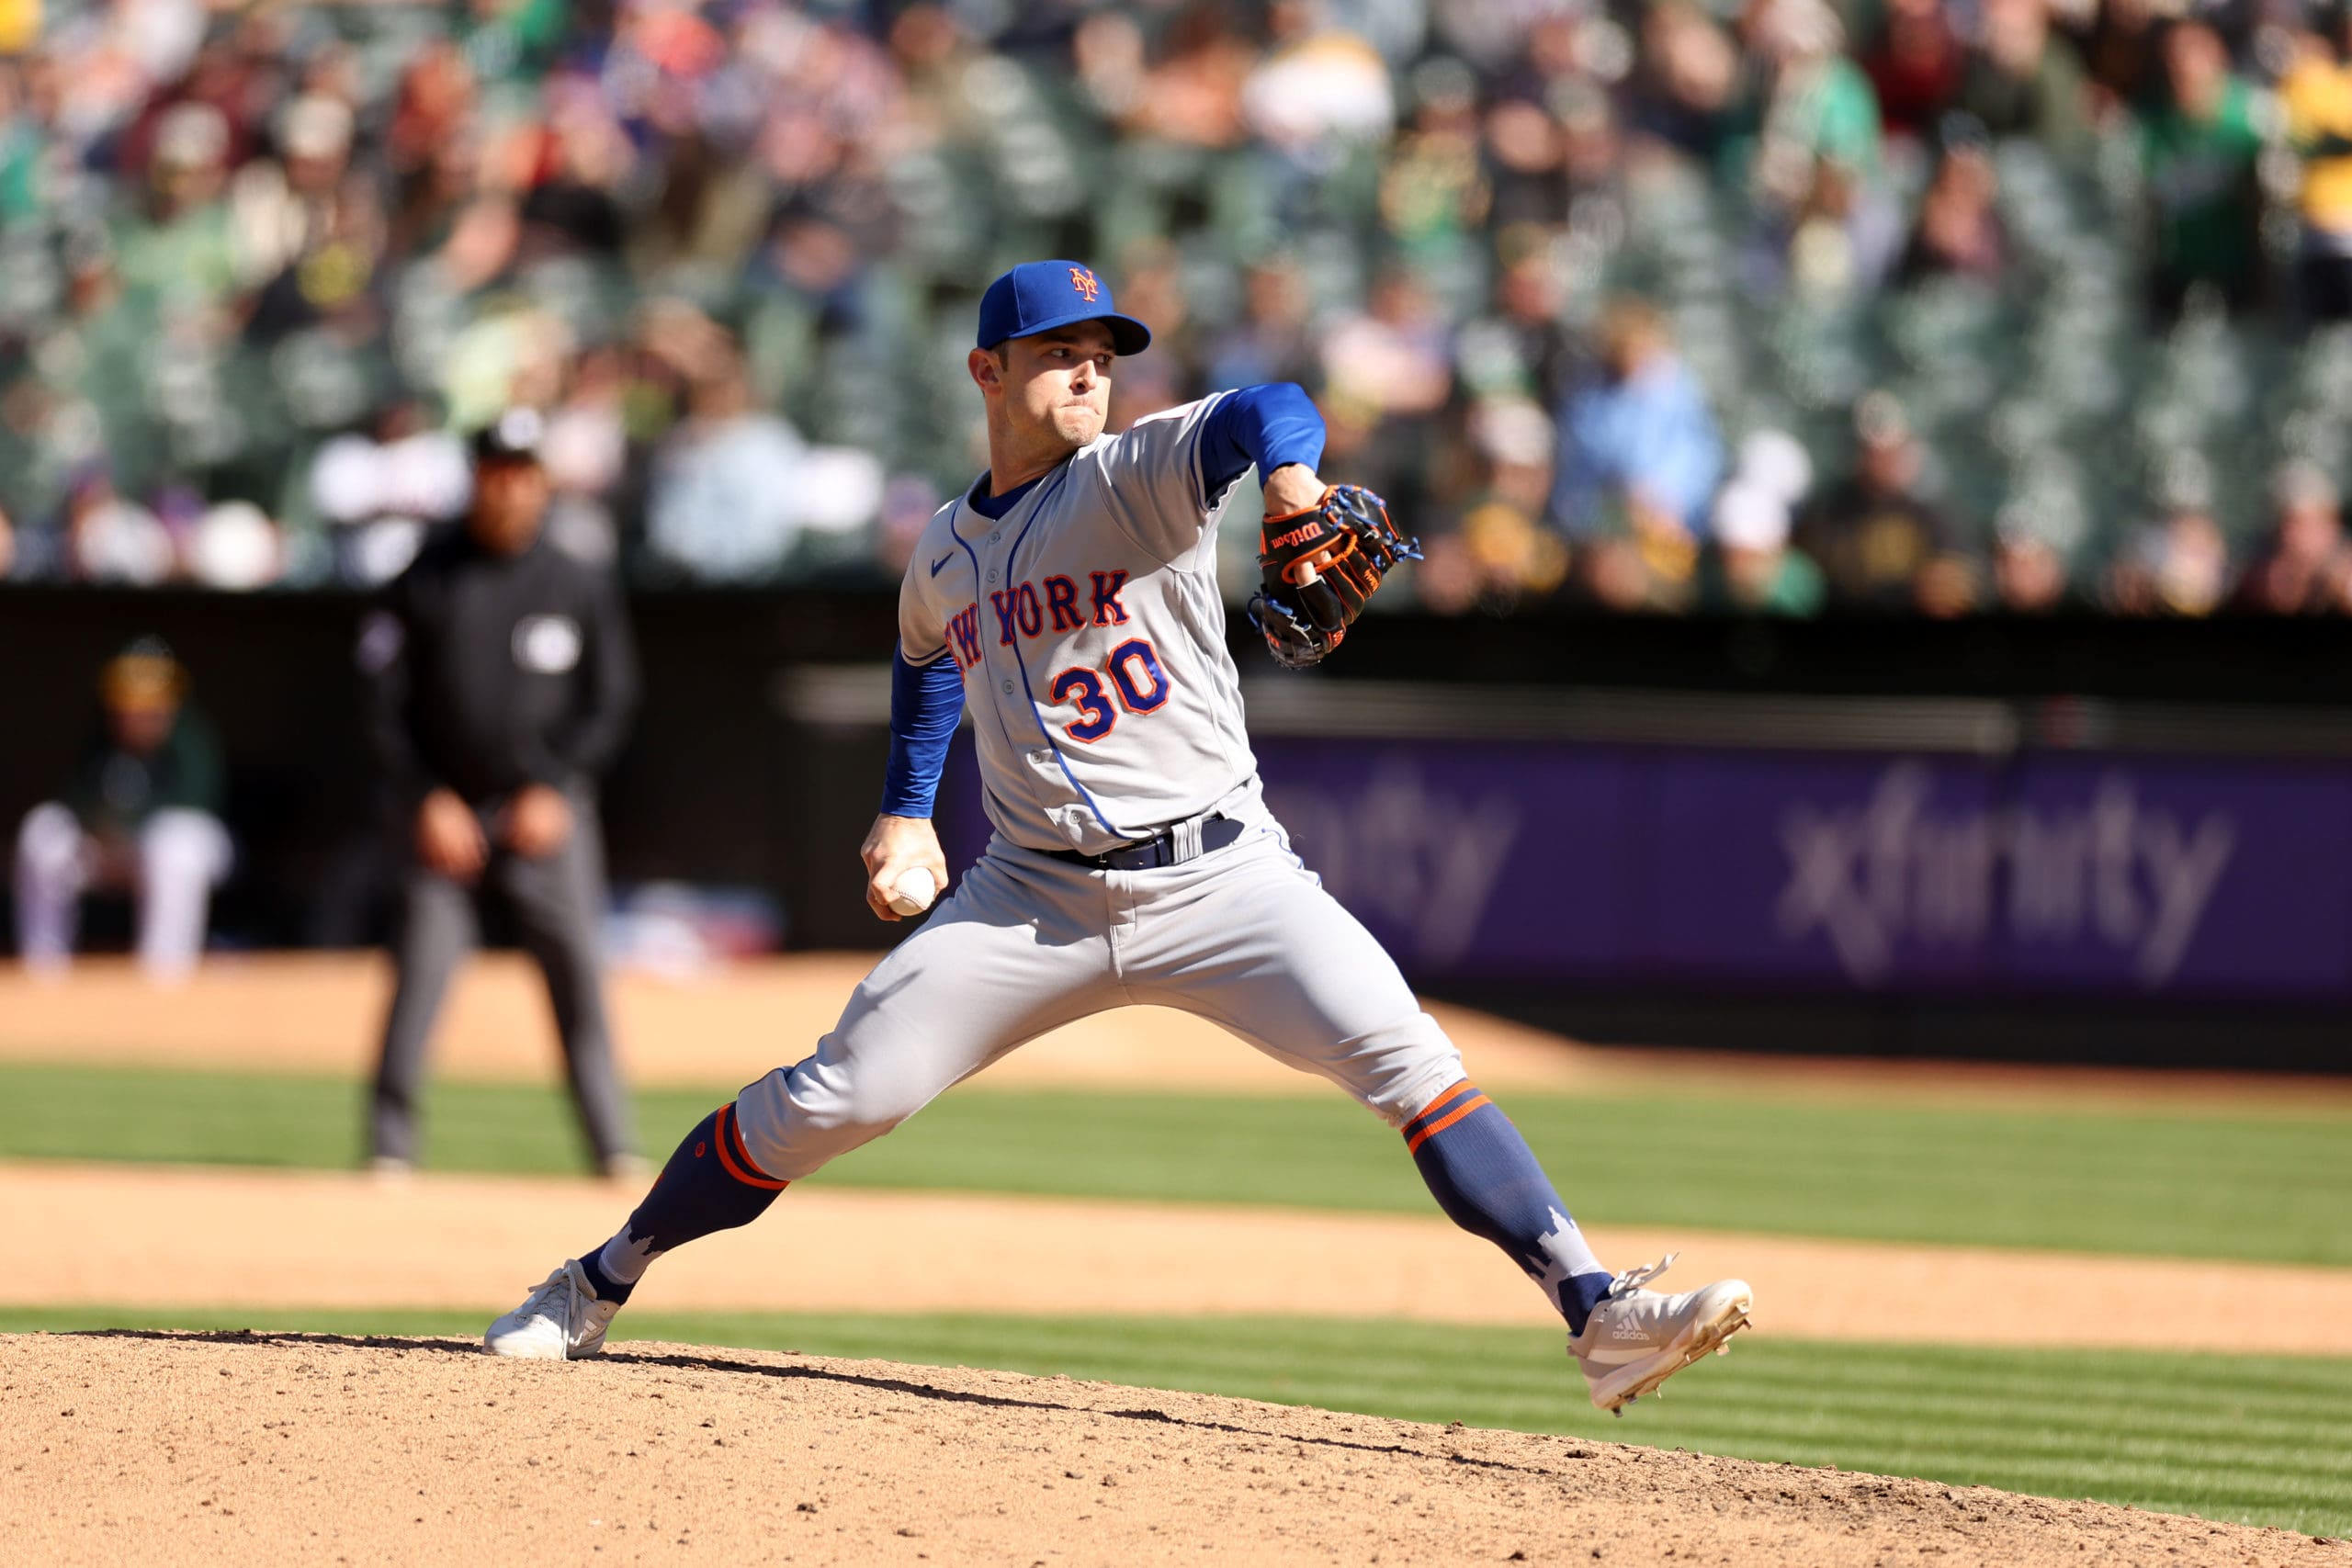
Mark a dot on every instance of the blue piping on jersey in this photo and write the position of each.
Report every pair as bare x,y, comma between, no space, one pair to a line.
1021,663
980,664
1200,474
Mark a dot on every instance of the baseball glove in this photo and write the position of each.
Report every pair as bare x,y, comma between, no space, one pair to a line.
1316,567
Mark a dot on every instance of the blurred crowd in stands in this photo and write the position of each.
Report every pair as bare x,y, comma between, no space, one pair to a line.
1781,306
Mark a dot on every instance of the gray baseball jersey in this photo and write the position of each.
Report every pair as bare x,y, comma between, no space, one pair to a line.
1090,636
1089,633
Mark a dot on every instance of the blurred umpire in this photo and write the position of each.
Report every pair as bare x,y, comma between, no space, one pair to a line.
501,678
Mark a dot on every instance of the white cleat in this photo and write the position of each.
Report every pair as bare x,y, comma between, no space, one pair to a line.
561,1321
1637,1339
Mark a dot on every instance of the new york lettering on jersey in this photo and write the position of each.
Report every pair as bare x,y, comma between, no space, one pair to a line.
1026,611
1019,608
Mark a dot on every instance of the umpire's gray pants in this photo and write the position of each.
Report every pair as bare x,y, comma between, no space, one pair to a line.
556,902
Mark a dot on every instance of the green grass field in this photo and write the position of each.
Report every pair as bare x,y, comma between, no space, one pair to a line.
2265,1189
2264,1440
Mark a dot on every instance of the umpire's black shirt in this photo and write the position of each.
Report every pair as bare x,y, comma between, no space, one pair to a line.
487,672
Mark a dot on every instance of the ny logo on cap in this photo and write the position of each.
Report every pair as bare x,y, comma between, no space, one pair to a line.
1084,281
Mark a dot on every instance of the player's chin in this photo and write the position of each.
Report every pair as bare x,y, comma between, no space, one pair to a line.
1078,425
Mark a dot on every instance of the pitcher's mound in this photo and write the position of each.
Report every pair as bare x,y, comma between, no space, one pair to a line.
233,1448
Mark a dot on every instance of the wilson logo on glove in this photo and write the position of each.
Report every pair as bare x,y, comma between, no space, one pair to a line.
1318,567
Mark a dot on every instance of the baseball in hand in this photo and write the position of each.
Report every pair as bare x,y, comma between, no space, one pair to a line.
913,892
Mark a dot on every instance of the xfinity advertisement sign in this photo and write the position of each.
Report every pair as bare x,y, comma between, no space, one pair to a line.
2069,874
2109,870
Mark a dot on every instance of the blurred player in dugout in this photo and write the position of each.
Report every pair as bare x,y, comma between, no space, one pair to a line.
501,677
141,812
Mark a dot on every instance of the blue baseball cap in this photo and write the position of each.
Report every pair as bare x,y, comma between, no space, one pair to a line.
1038,297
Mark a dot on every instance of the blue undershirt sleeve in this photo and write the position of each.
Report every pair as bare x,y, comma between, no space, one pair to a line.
1265,427
926,703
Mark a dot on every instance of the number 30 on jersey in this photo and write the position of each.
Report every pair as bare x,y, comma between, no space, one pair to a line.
1134,674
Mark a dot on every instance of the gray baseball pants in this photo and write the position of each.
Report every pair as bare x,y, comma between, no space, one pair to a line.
557,902
1244,937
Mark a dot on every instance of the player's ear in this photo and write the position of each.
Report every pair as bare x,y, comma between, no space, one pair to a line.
987,369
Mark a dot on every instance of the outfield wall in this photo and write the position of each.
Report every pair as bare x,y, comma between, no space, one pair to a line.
2075,874
2094,841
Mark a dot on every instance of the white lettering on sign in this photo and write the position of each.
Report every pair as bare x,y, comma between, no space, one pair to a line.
2135,878
1418,858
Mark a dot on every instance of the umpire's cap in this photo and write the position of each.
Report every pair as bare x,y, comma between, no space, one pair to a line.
513,437
1038,297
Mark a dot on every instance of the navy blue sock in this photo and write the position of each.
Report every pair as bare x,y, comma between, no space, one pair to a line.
1487,1179
710,1184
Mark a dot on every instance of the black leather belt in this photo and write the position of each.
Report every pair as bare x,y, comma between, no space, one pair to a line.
1184,841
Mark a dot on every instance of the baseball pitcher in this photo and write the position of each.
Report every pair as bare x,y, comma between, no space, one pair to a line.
1069,600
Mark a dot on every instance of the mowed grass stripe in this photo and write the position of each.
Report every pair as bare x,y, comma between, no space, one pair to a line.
2267,1424
2331,1384
2253,1439
2287,1462
2266,1188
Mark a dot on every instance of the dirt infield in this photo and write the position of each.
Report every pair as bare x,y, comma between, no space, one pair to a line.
318,1013
148,1236
203,1449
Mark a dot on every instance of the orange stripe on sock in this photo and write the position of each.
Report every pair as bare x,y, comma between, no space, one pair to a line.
1431,1130
1439,1103
736,1160
738,1155
745,1173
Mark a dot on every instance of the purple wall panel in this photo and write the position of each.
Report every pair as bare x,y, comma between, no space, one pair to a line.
1819,869
1490,861
2179,877
2068,873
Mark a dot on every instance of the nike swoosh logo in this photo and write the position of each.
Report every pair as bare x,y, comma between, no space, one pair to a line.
942,562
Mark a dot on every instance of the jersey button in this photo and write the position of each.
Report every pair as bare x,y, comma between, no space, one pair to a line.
1008,688
994,538
991,574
